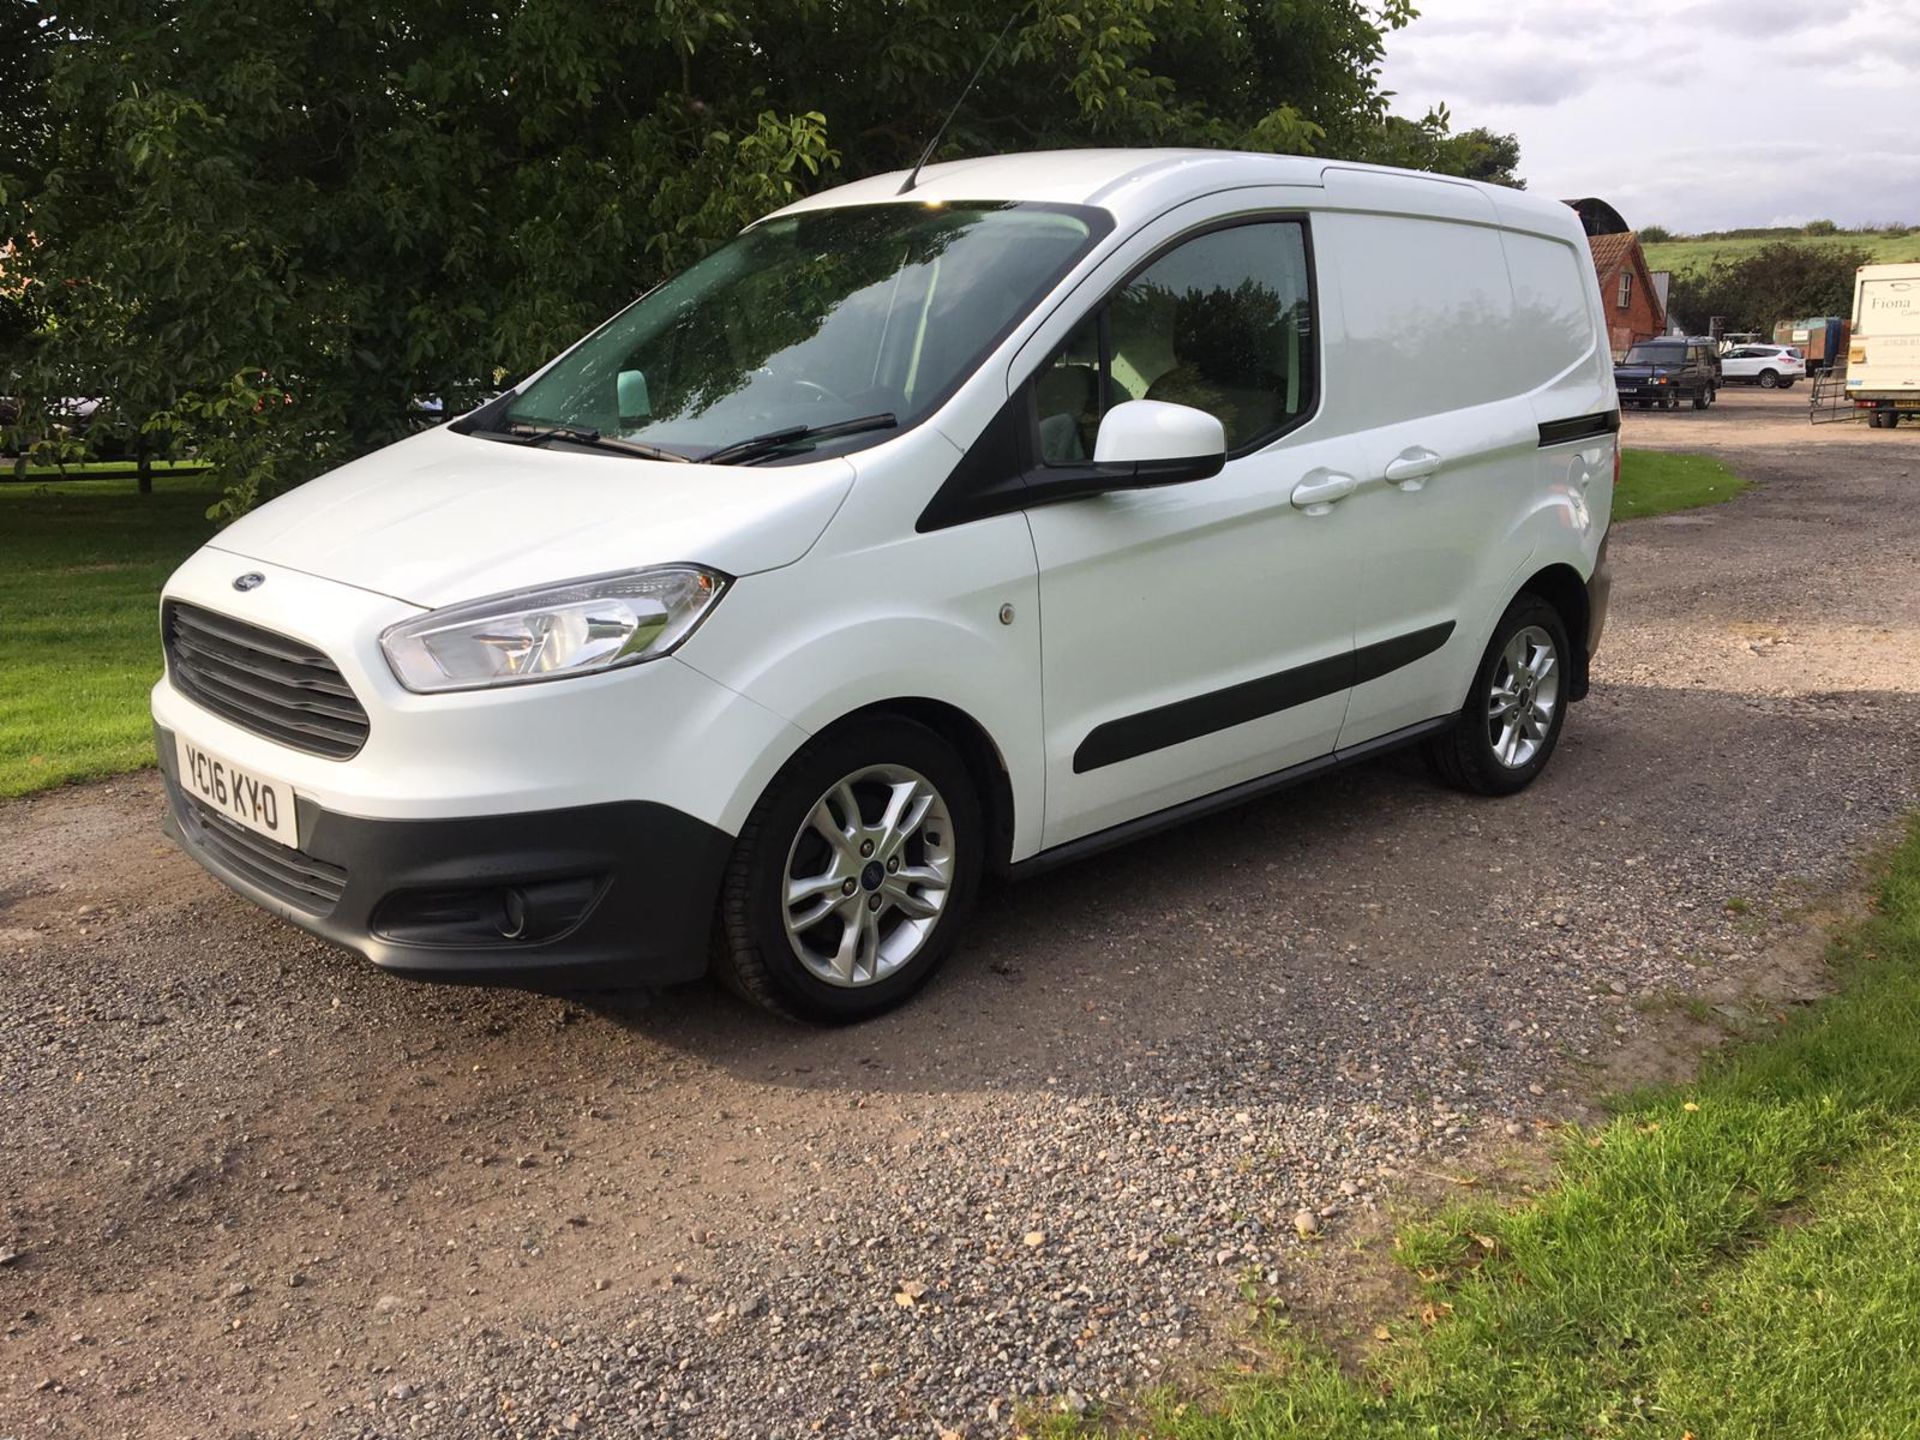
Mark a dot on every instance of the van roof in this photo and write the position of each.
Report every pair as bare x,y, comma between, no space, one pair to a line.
1071,177
1135,183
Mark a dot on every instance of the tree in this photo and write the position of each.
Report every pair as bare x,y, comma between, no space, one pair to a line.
1781,281
1431,144
1655,234
278,227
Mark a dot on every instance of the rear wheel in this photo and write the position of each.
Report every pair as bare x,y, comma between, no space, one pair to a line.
1769,379
1507,730
1702,399
853,875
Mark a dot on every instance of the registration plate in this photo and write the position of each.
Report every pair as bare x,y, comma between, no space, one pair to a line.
264,806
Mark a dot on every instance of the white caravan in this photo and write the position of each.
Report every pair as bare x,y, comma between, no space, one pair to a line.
916,535
1883,356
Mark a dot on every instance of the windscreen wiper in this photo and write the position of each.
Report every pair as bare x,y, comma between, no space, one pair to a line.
586,435
776,440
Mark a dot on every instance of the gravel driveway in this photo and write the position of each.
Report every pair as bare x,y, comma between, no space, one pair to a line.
248,1187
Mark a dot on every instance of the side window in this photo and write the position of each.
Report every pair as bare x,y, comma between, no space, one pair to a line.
1223,322
1626,291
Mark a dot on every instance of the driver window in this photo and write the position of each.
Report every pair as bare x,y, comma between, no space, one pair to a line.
1222,322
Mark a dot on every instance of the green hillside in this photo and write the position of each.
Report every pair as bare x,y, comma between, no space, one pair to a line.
1702,254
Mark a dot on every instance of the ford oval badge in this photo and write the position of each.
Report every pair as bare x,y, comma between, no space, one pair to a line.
252,580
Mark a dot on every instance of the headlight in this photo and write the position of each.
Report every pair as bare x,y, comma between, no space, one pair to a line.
575,629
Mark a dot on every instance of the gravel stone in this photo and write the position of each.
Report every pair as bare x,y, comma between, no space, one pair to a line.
1168,1064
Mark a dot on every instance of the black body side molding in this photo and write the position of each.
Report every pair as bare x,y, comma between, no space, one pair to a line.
1166,725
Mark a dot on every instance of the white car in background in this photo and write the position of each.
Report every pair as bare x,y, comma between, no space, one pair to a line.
1771,367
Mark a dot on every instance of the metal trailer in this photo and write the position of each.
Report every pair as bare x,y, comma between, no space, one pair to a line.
1822,340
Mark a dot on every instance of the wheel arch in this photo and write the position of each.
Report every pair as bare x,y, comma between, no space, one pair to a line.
992,781
1560,586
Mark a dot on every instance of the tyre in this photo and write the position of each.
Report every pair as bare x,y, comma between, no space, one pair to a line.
1670,402
1876,419
1702,399
853,875
1769,379
1507,730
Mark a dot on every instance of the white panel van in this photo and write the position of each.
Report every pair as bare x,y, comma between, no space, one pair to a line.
923,532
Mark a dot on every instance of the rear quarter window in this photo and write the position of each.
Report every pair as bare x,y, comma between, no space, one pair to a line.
1553,330
1429,318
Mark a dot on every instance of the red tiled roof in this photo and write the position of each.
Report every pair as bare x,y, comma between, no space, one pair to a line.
1611,251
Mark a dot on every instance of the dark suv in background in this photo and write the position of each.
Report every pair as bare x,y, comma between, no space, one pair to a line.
1662,372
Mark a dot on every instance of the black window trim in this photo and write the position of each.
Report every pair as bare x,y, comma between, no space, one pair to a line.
991,478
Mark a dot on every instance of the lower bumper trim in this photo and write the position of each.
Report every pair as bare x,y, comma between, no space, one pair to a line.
622,892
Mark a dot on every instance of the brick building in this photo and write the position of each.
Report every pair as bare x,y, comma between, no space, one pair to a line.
1635,306
1627,292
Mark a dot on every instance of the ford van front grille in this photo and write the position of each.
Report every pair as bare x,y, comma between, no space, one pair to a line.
277,687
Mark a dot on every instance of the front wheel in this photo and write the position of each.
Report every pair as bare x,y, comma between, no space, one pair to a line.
1506,732
853,875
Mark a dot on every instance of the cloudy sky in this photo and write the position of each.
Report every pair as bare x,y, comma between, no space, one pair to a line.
1693,114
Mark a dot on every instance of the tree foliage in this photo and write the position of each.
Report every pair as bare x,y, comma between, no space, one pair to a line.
276,227
1782,281
1431,143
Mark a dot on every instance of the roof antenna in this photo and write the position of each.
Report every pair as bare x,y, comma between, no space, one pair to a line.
940,134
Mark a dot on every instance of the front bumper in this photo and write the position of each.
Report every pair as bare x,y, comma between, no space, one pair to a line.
621,891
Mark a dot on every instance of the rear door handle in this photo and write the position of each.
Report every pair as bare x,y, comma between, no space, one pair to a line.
1317,492
1410,468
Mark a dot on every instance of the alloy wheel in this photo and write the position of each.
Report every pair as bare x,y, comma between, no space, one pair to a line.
868,875
1524,697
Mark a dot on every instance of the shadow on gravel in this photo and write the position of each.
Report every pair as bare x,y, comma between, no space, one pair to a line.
1375,884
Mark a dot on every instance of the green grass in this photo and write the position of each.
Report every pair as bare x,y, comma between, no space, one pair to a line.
1735,1259
1703,254
81,566
1656,482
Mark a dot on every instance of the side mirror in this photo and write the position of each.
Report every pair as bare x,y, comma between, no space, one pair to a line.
1161,444
632,398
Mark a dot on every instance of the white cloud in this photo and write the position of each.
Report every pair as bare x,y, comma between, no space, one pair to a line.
1712,114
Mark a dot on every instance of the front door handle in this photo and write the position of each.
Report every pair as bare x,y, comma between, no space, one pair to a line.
1316,493
1410,468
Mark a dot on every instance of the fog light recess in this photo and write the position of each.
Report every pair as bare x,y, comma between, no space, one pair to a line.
493,915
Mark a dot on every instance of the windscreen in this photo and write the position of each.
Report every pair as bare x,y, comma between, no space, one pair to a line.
812,320
1657,355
